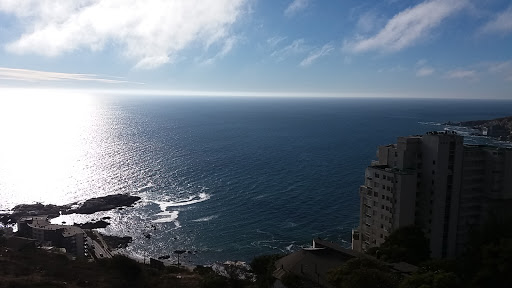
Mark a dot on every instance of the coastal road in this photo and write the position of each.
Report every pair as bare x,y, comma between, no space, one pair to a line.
98,249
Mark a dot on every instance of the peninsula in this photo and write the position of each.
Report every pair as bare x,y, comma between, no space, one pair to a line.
500,128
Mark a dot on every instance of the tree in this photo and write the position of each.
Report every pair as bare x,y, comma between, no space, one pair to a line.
495,269
263,267
363,273
430,279
406,244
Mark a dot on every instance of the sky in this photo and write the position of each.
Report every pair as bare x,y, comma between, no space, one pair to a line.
353,48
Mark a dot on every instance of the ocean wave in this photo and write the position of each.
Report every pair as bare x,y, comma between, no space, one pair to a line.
430,123
205,219
145,187
173,218
289,224
184,202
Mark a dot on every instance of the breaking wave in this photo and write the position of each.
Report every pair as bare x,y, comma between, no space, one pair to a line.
184,202
205,219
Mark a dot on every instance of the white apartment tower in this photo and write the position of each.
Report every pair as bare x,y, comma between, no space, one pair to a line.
433,181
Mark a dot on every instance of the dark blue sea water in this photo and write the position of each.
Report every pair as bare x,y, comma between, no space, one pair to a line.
232,178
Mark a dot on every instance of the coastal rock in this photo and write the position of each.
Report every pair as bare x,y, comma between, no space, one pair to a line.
90,206
93,225
105,203
38,209
116,242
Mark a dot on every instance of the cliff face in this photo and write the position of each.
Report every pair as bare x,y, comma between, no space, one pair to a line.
500,128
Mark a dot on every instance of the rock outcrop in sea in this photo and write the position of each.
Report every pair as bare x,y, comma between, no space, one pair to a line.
90,206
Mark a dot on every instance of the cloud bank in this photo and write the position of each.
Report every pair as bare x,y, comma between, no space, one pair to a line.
36,76
408,27
152,32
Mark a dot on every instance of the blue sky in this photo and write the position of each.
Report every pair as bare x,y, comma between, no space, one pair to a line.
402,48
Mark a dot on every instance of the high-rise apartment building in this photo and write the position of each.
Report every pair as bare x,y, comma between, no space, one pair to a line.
435,182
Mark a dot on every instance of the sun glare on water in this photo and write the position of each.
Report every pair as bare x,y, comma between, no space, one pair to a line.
42,139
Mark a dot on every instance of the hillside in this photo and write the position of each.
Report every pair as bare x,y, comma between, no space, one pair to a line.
37,268
500,127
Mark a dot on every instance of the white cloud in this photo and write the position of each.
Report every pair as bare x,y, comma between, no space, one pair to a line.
314,55
421,62
273,41
226,48
501,68
501,23
424,71
152,32
461,74
37,76
298,46
295,7
408,27
369,22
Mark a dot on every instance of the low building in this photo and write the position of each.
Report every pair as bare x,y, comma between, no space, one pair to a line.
71,238
312,265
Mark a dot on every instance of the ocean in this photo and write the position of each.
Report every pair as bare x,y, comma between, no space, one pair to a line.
226,178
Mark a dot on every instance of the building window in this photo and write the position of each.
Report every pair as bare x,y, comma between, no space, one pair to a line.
375,194
384,177
434,162
383,197
377,175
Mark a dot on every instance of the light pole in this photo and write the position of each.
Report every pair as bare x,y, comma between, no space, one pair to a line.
148,236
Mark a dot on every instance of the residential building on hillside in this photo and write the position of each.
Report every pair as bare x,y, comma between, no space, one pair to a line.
435,182
71,238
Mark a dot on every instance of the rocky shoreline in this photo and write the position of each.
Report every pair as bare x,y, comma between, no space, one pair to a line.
90,206
500,128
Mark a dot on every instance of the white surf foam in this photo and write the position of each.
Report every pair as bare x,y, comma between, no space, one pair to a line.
173,218
146,187
204,219
184,202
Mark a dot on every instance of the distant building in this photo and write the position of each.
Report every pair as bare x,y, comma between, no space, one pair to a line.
435,182
71,238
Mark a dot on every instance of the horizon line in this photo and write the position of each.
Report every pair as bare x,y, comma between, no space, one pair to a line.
241,93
